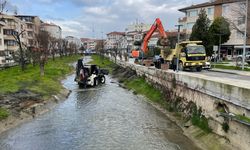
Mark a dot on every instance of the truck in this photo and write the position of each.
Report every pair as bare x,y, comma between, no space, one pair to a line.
140,55
190,55
89,75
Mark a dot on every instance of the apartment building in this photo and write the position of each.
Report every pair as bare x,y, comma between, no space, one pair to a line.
54,30
231,10
134,32
89,44
114,39
74,40
33,24
8,44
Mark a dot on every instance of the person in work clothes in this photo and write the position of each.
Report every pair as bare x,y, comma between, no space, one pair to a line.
174,63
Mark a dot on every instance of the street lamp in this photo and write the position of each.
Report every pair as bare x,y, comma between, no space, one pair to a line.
219,46
245,37
178,40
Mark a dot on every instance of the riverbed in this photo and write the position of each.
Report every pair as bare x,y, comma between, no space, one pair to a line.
107,117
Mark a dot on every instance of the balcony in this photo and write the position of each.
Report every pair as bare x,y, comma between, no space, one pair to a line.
8,37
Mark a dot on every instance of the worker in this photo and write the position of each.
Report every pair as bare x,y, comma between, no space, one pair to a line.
174,63
161,60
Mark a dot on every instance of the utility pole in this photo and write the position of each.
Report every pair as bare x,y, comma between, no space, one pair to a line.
245,37
219,46
178,40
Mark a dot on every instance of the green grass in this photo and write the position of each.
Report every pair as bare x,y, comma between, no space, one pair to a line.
219,66
3,113
243,118
102,62
140,86
13,79
200,120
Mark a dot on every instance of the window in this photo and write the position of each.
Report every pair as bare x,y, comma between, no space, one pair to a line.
7,32
210,11
29,26
10,43
240,35
190,25
241,20
30,34
0,41
225,9
193,13
242,6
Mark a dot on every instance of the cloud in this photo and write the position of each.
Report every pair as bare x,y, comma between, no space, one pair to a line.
81,17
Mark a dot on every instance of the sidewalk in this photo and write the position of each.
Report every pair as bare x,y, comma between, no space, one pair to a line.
238,72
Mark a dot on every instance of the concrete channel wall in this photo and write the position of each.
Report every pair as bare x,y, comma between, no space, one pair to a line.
208,94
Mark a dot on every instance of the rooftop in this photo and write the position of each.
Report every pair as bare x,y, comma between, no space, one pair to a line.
207,4
116,33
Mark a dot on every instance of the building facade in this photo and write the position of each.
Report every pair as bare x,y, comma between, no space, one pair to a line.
232,10
74,40
33,25
89,44
54,30
9,25
114,39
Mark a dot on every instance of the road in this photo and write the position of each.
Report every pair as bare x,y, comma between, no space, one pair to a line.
103,118
215,74
224,75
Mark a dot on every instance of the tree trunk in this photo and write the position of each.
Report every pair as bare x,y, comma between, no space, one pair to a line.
53,56
42,68
22,63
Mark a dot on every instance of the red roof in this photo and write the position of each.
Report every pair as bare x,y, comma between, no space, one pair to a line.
85,39
116,33
169,34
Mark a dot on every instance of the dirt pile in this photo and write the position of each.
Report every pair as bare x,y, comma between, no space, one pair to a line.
16,102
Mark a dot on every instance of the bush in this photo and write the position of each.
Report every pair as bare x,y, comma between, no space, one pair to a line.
3,113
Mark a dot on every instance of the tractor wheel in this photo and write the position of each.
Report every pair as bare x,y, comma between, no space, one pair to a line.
96,82
198,69
103,79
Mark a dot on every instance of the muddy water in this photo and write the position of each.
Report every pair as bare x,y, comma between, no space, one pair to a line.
108,117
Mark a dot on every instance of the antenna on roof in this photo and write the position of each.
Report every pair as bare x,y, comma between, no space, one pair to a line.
93,31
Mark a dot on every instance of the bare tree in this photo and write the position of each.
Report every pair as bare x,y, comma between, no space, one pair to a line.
53,42
238,16
3,5
21,53
43,49
72,48
65,44
100,48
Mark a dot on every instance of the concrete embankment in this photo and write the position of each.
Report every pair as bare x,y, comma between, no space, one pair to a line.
25,105
224,105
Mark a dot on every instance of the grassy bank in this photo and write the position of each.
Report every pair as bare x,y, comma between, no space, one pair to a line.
13,79
103,62
220,66
139,85
3,113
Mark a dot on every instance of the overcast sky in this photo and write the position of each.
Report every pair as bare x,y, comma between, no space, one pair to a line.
79,17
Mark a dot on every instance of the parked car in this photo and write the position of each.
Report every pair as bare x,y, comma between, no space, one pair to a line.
207,66
89,74
240,57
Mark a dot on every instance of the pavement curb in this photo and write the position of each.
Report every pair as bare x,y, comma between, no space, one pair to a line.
235,72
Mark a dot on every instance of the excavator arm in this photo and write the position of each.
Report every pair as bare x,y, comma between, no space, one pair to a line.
157,25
